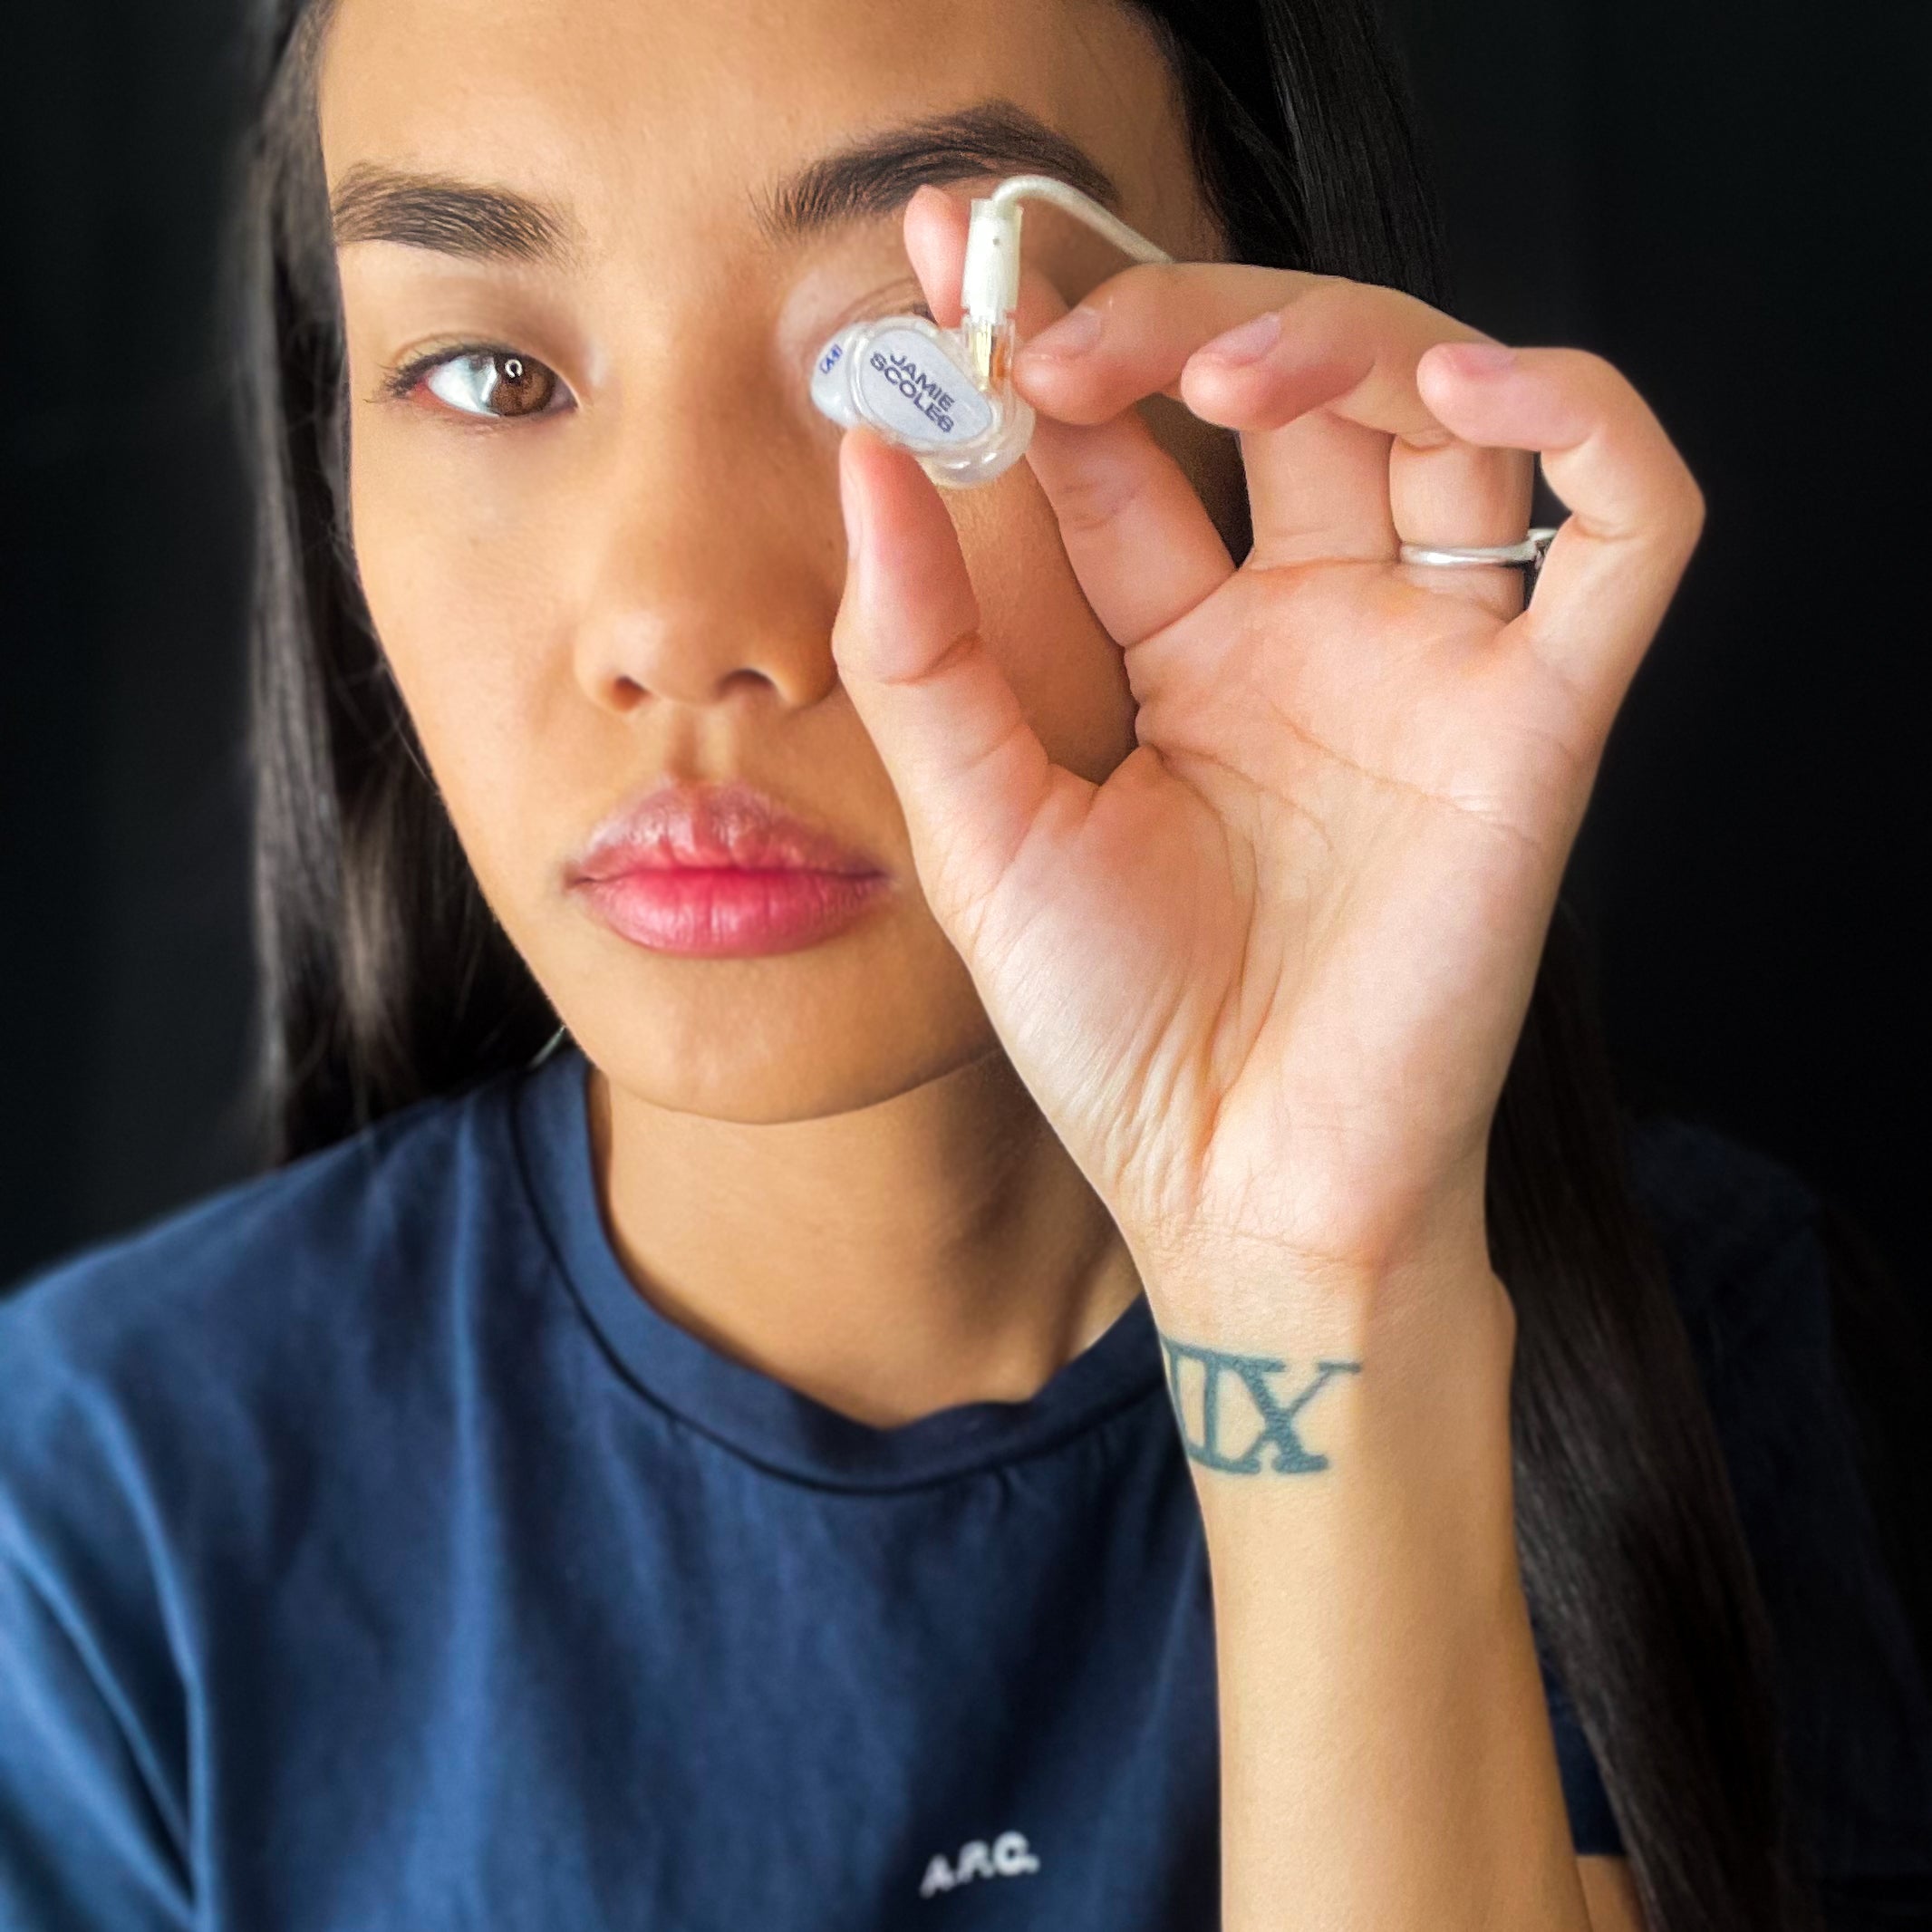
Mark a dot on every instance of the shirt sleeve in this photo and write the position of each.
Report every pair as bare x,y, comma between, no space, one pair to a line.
93,1831
83,1843
1749,1265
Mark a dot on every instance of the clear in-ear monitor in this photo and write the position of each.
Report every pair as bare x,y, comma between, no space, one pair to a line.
911,381
947,395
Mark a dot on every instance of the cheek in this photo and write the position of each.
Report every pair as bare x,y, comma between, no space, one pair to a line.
465,590
1067,674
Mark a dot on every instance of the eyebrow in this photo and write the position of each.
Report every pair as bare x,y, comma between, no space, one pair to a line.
450,216
878,174
871,177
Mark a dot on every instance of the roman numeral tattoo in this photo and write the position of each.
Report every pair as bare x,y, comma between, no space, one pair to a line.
1250,1372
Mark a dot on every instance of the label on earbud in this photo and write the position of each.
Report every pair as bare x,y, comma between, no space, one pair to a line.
908,384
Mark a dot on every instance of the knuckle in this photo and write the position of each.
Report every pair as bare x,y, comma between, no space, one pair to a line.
1674,518
1092,499
1679,495
1157,279
1595,382
1688,509
1696,505
1162,283
1331,301
1142,285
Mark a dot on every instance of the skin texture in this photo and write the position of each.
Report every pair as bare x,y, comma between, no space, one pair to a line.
1145,1007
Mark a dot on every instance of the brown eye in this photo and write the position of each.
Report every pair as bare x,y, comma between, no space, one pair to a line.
498,382
522,387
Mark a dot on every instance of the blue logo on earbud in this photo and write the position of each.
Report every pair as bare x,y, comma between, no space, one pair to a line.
917,387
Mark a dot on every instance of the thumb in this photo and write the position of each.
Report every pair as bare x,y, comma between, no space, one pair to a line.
970,771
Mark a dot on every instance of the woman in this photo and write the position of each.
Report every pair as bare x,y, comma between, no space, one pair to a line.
728,1409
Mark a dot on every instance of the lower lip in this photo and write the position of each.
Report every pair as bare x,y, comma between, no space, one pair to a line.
731,913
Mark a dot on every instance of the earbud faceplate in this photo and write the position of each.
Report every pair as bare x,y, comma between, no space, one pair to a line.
911,381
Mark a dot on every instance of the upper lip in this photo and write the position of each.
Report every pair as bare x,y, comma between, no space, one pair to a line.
732,826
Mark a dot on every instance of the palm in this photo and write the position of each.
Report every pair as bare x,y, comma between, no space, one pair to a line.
1279,953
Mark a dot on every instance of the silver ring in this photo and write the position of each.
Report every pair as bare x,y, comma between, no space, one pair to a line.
1528,551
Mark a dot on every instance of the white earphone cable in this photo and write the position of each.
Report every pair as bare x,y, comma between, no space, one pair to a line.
1063,196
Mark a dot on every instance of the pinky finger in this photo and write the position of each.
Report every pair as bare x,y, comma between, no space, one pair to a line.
1636,510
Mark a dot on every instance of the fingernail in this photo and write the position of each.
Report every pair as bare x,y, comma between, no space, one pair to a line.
1248,344
1477,359
1073,334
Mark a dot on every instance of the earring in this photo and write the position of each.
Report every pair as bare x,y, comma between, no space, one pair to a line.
543,1053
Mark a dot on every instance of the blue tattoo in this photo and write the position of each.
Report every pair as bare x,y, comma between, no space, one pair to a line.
1278,1418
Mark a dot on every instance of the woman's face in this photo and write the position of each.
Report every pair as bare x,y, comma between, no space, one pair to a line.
601,541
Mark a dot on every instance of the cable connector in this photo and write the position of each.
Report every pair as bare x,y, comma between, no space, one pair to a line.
989,287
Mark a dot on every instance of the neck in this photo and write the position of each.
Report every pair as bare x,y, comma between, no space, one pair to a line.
937,1248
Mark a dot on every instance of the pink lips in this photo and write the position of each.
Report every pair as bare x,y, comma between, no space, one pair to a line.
721,872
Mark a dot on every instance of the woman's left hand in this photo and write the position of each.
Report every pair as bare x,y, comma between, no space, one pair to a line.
1265,981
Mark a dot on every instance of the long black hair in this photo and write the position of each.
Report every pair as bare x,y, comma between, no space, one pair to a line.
385,978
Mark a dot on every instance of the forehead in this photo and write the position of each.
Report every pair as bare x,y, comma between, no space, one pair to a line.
703,104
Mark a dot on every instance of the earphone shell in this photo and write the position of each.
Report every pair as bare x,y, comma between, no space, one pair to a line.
909,380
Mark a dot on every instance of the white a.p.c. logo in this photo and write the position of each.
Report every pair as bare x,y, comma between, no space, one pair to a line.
1008,1857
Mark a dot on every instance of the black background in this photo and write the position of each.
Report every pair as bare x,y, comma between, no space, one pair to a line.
1727,200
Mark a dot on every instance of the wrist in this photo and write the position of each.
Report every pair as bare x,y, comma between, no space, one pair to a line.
1330,1277
1318,1397
1439,1303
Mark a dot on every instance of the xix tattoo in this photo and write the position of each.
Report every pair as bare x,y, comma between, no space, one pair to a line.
1251,1374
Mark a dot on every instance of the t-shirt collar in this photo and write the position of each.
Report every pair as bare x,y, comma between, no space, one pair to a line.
754,1414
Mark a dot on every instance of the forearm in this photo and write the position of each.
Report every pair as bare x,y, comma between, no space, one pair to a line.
1387,1757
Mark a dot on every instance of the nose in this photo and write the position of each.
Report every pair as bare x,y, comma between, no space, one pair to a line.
715,557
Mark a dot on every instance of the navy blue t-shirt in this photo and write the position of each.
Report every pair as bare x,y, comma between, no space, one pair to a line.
374,1555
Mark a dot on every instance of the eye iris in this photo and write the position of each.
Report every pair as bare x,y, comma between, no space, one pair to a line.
519,388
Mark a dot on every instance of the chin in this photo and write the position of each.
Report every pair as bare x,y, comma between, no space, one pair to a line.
754,1064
